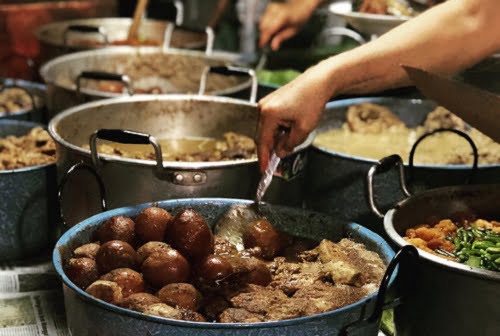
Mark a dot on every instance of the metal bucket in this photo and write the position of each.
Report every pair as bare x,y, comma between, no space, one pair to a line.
28,209
64,74
451,298
131,181
55,38
336,181
88,316
38,112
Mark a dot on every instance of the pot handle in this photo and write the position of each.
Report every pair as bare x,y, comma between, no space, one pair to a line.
34,108
407,259
443,130
124,137
85,29
167,39
230,71
71,171
383,166
342,31
105,76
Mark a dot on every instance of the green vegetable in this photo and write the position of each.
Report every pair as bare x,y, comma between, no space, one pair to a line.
474,262
387,324
477,247
277,77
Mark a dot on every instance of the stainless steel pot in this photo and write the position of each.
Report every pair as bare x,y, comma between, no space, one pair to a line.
130,181
28,207
64,74
451,298
335,181
59,38
38,112
88,316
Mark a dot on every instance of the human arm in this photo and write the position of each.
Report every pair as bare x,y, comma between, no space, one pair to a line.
283,20
445,39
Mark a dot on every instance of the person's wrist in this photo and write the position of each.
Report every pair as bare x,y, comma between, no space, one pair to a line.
328,83
305,8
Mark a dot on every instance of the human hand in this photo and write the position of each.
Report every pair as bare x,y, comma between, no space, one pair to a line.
282,21
296,106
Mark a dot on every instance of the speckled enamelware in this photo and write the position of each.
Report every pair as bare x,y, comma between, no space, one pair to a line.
89,316
27,203
37,114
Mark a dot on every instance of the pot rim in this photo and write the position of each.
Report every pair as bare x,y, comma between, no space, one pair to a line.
105,20
56,259
26,85
32,125
336,8
233,58
52,128
429,257
351,101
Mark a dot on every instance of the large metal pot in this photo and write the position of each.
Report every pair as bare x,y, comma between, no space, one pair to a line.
335,181
88,316
61,38
451,298
36,92
28,209
64,75
130,181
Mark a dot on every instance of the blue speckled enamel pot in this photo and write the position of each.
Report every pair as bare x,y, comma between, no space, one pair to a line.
89,316
336,181
27,203
37,114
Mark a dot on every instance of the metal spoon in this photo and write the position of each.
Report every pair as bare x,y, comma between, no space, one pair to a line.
233,223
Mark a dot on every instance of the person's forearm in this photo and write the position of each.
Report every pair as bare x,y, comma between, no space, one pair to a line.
446,39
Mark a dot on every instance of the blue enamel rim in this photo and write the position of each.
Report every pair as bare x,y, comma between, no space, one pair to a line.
29,125
26,85
411,101
95,220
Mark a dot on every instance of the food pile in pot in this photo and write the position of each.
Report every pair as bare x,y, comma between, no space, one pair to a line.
474,242
155,74
234,146
14,100
175,267
373,131
393,7
33,149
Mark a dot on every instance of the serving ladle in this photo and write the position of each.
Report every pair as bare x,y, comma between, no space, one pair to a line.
234,222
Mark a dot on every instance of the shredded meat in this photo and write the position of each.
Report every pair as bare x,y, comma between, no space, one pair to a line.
442,118
164,73
322,297
14,100
290,277
235,315
234,147
34,149
371,118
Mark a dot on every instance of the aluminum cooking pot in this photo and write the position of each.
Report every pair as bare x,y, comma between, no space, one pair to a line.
64,75
446,289
335,181
38,112
57,38
28,207
131,181
88,316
